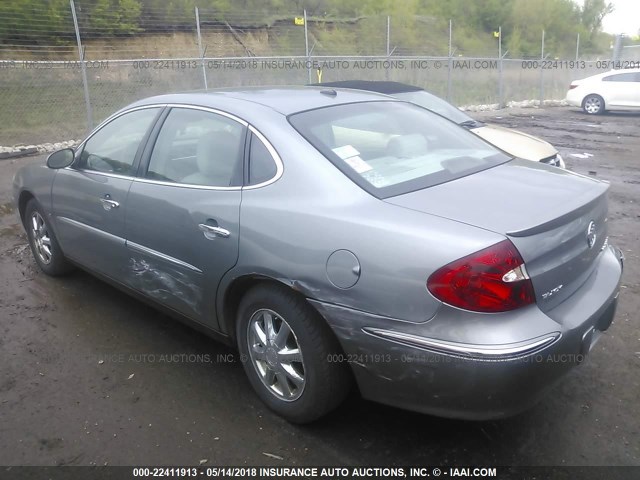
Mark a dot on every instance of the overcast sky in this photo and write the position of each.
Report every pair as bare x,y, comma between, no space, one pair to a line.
624,19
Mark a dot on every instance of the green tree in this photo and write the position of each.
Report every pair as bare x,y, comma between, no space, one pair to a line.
344,25
32,21
109,17
593,13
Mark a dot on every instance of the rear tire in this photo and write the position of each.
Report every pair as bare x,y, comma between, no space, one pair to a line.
287,348
593,104
44,246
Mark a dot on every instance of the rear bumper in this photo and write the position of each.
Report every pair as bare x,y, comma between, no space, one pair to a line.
574,98
437,367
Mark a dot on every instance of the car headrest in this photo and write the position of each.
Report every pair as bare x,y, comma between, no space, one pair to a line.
407,146
217,155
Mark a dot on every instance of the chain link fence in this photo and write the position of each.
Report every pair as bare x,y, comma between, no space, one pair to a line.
53,91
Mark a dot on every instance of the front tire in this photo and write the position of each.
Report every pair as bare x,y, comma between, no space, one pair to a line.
593,104
287,349
44,246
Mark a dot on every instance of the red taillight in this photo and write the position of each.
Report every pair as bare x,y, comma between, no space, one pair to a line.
572,86
491,280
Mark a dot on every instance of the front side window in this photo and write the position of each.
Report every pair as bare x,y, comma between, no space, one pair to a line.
113,148
197,147
391,148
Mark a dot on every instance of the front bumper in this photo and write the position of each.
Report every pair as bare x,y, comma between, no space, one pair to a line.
473,366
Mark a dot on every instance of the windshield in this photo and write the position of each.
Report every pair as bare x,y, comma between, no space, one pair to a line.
437,105
390,148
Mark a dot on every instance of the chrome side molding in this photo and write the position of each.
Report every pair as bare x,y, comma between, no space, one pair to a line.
479,352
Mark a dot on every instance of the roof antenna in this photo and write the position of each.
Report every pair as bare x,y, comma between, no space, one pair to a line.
329,92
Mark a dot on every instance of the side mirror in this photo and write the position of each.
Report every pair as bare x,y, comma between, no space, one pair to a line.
60,159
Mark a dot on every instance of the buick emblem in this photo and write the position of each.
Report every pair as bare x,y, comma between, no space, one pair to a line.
591,234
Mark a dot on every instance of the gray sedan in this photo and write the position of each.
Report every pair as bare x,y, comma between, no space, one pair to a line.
340,239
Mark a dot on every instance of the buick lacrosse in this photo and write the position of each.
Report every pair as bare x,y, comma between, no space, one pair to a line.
339,239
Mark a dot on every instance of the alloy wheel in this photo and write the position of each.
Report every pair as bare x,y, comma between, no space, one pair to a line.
276,355
41,238
592,105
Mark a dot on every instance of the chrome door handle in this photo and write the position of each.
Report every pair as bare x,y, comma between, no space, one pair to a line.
211,232
109,204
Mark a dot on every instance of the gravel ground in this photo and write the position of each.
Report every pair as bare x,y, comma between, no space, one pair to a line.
77,389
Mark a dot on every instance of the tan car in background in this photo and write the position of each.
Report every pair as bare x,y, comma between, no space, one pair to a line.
514,142
519,144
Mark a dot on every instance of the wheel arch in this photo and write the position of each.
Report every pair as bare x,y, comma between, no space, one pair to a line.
232,295
23,199
332,380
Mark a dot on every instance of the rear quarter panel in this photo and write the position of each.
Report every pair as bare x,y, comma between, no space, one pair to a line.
289,229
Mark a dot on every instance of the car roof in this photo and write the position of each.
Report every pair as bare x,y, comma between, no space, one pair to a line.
285,100
613,72
624,70
384,87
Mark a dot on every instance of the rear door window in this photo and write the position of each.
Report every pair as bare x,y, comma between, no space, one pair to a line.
198,147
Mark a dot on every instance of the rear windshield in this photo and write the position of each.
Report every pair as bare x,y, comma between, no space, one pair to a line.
390,148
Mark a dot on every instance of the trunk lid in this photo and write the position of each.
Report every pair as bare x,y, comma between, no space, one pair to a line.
555,218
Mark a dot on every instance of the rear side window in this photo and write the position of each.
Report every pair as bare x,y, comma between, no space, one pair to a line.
262,166
391,148
113,148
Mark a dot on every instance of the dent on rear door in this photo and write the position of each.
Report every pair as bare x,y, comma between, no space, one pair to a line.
170,258
173,256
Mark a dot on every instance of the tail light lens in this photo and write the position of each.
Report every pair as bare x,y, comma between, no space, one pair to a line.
491,280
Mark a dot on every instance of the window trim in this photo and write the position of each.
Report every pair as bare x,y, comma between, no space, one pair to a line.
152,135
144,164
136,160
152,140
274,156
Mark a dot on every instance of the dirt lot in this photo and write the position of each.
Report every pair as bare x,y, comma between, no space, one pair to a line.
77,389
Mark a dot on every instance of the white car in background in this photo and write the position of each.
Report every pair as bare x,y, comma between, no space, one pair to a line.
613,90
